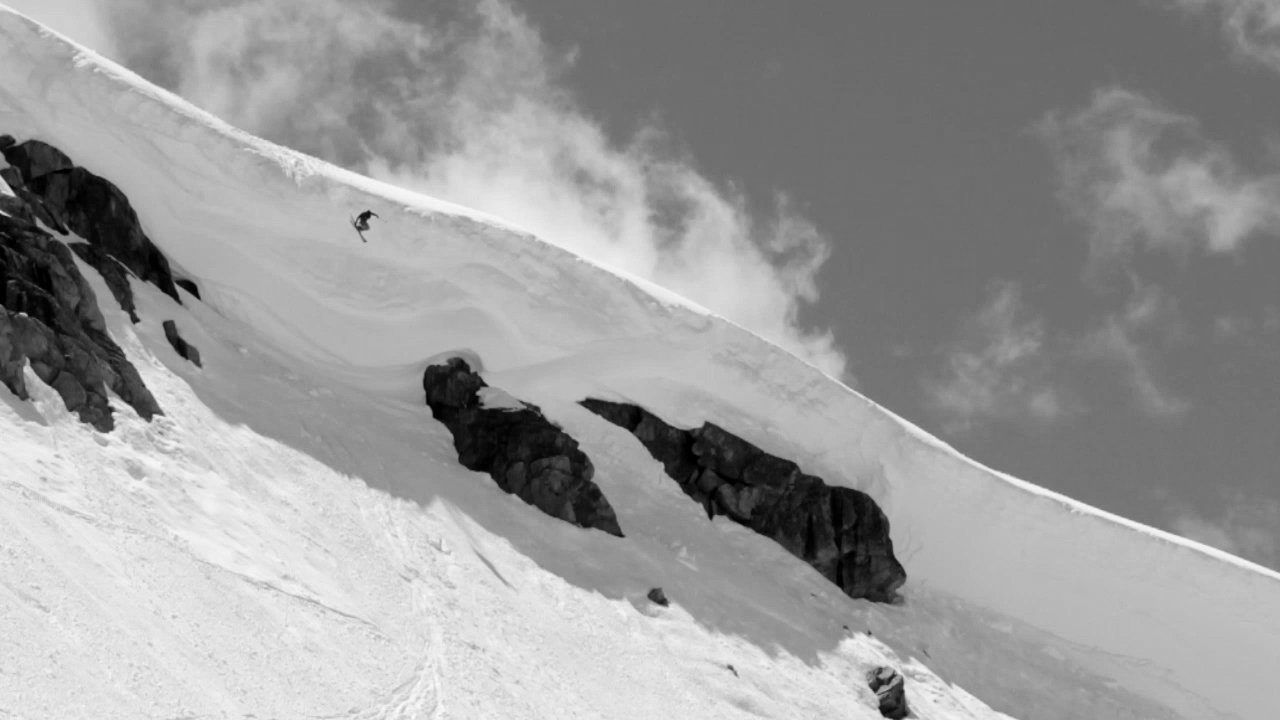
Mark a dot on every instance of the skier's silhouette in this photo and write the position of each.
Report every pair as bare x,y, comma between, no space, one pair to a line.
361,223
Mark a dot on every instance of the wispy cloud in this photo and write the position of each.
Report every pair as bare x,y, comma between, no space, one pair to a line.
1247,526
1124,339
1253,26
1142,177
1004,366
998,369
465,101
1247,327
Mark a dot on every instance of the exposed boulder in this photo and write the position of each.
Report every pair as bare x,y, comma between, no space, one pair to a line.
840,531
658,597
70,198
50,318
35,159
890,690
188,285
14,207
184,349
32,206
11,202
519,448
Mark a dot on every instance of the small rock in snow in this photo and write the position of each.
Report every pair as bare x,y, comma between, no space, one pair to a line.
890,690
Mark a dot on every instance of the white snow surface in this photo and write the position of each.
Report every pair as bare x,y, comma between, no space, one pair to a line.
295,539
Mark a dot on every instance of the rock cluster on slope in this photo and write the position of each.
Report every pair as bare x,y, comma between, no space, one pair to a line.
841,532
49,315
890,690
185,350
50,318
66,198
519,448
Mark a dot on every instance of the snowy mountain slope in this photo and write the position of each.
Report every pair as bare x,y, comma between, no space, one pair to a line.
295,538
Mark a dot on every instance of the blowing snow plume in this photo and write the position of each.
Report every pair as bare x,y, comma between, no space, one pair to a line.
467,103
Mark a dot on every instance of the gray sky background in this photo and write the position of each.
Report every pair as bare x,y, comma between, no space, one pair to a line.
1044,231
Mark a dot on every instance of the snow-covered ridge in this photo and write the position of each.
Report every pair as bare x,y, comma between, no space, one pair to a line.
264,231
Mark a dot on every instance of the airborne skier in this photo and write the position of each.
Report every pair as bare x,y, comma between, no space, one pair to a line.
361,223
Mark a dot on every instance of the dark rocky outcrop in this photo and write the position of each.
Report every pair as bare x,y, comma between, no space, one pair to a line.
70,198
113,273
29,161
841,532
188,285
14,207
51,319
890,690
657,597
49,316
184,349
520,449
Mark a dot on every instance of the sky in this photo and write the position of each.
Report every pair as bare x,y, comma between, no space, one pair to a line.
1045,232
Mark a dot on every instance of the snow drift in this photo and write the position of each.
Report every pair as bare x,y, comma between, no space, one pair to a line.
294,537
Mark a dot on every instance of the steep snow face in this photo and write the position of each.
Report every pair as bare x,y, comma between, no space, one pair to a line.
294,538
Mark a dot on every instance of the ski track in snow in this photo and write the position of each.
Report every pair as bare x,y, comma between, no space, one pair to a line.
295,538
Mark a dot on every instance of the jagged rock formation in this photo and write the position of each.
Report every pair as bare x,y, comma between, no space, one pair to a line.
890,690
188,285
50,318
524,452
113,273
70,198
49,315
185,350
841,532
